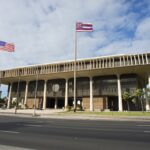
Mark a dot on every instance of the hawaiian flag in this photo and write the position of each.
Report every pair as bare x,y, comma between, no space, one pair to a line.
9,47
84,27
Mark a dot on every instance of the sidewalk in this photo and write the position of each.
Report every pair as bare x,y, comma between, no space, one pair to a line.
30,111
58,114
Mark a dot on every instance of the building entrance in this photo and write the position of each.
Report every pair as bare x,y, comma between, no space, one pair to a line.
50,103
55,103
60,103
70,101
113,103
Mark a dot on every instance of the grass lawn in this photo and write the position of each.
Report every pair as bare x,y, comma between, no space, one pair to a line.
111,113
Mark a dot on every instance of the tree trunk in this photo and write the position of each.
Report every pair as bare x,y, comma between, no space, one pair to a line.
128,106
136,105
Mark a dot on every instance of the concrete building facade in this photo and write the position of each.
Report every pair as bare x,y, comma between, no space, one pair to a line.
101,82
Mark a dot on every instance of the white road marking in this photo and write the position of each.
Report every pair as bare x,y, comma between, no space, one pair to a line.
147,131
143,125
6,131
33,125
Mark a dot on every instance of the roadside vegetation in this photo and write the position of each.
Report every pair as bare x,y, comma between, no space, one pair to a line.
3,102
134,105
137,99
111,113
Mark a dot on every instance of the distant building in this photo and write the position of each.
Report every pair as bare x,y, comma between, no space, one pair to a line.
100,82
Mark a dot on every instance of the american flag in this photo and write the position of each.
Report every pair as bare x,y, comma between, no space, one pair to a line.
9,47
84,27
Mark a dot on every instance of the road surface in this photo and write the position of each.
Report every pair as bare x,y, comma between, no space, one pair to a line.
60,134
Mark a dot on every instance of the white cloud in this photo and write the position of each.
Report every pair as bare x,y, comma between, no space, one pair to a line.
143,28
43,30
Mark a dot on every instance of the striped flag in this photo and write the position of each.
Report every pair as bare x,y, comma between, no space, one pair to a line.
84,27
9,47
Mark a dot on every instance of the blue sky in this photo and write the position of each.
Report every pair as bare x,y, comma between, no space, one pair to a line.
43,30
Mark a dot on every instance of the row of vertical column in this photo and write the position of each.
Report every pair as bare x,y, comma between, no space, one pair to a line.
44,94
120,103
120,106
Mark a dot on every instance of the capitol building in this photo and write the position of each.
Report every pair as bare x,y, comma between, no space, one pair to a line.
100,83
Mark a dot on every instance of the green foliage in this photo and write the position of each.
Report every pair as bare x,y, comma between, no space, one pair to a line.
112,113
148,93
2,100
126,96
14,104
68,108
79,107
138,93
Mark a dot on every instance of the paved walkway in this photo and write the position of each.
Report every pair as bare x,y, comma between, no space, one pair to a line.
31,111
52,113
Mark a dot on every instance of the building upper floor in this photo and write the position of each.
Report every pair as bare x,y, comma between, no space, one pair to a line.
97,63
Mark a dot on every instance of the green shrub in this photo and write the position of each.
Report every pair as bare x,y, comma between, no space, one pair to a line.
68,108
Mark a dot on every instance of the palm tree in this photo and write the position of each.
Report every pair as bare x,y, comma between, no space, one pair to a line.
147,92
127,97
138,95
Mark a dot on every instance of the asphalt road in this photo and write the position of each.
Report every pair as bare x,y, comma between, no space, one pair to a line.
60,134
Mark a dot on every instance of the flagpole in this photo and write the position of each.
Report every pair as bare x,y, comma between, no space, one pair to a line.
75,59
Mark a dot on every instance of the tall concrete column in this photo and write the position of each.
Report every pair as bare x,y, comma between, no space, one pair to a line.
119,94
66,93
147,92
44,94
91,94
9,96
106,102
26,93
